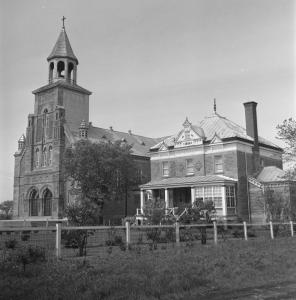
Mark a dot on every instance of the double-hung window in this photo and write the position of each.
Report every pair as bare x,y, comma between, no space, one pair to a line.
165,168
218,164
189,167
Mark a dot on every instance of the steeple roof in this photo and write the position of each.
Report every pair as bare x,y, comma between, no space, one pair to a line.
62,47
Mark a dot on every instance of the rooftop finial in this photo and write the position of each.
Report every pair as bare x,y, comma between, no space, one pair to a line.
215,107
63,20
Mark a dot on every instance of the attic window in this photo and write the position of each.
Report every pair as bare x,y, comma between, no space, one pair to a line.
187,135
104,137
142,143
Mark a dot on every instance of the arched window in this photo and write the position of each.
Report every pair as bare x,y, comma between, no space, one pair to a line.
37,158
45,118
33,203
61,69
51,67
49,155
44,157
46,202
70,71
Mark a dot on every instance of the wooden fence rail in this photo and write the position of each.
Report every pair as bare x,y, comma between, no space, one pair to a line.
128,230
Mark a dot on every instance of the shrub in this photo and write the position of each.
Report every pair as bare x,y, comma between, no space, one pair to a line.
25,235
76,239
24,255
10,244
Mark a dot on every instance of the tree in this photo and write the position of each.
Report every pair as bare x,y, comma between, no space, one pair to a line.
6,209
100,171
277,206
82,213
287,133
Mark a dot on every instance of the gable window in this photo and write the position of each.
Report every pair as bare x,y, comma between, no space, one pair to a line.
189,167
218,164
187,134
165,168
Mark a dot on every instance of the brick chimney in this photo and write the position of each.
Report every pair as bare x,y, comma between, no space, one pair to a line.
252,131
251,121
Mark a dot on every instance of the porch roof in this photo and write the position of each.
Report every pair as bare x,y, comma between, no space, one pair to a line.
187,181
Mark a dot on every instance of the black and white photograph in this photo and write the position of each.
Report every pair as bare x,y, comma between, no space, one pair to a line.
148,149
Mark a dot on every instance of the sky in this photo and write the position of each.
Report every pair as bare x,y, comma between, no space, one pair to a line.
151,63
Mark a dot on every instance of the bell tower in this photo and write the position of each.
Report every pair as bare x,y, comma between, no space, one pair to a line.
62,62
60,105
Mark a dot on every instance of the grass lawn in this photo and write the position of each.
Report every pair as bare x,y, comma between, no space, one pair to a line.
184,273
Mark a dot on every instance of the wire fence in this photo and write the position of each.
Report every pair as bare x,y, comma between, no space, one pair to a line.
67,241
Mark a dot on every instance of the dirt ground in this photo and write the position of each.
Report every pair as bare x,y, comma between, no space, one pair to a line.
275,291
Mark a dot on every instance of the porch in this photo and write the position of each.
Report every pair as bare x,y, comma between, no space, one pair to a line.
176,193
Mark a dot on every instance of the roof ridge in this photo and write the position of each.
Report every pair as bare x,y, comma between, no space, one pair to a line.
123,132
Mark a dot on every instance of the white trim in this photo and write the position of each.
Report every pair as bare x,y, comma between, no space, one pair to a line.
214,148
192,195
142,200
166,198
224,204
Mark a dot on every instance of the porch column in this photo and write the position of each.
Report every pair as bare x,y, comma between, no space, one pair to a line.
192,195
166,198
224,204
142,201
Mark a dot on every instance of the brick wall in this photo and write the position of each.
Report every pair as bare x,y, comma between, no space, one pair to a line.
257,207
177,166
76,105
244,168
267,161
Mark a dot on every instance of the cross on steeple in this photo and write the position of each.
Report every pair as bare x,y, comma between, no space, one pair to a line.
63,20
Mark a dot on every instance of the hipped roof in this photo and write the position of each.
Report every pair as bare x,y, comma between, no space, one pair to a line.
187,181
221,127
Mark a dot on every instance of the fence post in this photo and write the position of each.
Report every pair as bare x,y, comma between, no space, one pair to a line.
245,231
58,239
271,230
128,232
292,228
177,233
215,232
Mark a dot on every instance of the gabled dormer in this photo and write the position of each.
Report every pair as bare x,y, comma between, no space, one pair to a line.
163,147
216,139
190,135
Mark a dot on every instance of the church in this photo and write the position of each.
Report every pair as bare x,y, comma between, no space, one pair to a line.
61,117
215,160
